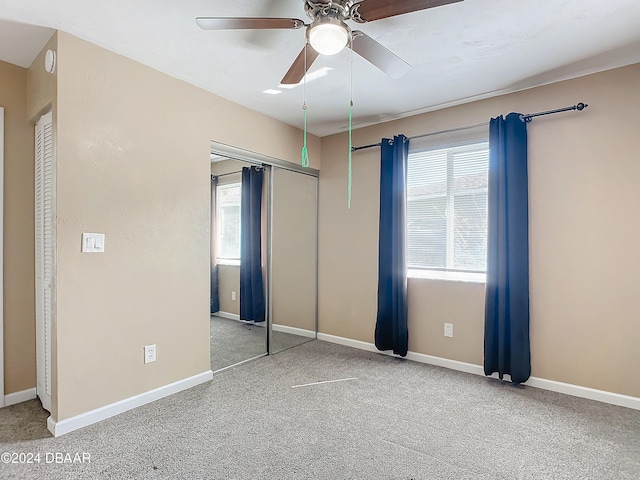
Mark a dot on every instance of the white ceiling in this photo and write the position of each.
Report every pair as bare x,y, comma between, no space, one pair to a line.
460,52
20,43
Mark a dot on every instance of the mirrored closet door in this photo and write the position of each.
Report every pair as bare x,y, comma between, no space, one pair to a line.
263,256
236,335
293,258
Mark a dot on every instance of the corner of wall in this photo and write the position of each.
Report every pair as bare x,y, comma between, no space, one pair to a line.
41,97
41,85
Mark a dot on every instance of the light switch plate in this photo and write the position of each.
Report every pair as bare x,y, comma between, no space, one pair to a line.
93,243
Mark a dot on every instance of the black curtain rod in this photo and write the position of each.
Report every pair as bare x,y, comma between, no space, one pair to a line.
225,174
525,118
257,167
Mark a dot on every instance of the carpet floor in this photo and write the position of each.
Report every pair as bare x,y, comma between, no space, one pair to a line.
233,341
380,418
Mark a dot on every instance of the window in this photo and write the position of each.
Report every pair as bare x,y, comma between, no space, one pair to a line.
447,212
228,223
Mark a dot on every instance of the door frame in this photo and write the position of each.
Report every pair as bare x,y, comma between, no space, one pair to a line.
1,257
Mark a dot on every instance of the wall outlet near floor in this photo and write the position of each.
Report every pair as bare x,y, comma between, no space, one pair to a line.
448,329
149,353
233,296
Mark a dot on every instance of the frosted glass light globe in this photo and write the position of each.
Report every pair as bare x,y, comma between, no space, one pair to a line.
328,38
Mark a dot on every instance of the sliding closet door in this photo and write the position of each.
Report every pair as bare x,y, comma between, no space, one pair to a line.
293,258
44,215
233,338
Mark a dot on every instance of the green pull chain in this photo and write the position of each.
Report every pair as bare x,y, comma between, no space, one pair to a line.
350,124
350,152
305,151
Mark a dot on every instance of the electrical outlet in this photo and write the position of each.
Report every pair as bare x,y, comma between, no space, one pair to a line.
149,353
448,329
233,296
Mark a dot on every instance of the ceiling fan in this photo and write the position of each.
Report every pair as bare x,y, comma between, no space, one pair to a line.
328,32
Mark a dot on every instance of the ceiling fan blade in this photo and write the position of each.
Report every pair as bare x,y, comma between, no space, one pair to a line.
264,38
370,10
297,71
378,55
239,23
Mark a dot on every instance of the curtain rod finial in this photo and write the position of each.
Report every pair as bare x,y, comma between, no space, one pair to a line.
581,106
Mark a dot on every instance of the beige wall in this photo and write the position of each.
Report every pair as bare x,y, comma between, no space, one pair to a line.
584,172
228,168
19,305
41,85
133,162
228,282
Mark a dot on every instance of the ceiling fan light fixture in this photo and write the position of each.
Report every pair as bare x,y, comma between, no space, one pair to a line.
328,35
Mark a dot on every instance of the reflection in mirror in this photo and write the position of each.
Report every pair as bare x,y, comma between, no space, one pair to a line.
293,258
235,335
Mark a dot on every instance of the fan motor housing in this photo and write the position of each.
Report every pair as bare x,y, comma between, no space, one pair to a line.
332,8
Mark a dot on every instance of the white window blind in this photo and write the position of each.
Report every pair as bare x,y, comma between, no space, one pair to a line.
447,208
228,221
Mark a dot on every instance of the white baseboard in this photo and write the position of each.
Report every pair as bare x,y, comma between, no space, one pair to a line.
84,419
348,342
552,385
19,397
585,392
230,316
293,330
233,316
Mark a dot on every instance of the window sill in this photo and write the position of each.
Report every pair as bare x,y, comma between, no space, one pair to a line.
226,261
448,276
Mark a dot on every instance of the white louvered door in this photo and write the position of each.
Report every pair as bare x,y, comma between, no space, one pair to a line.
44,215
